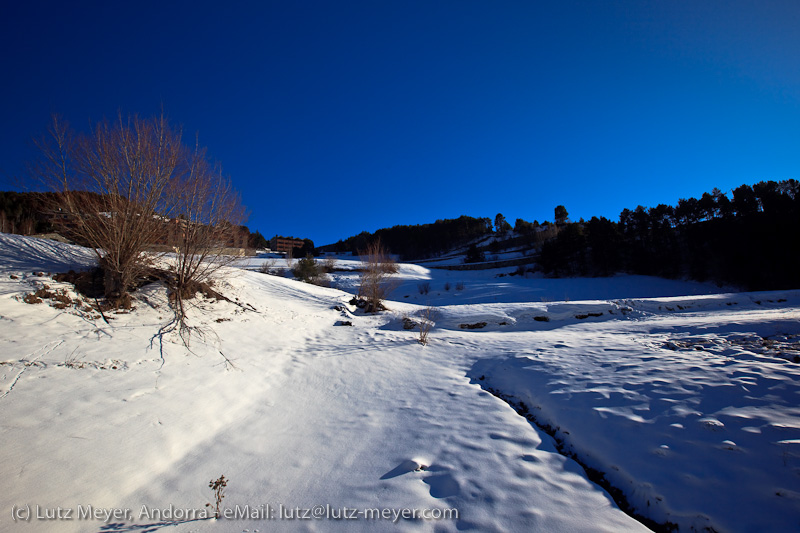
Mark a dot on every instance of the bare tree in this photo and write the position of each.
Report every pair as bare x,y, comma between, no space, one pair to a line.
132,185
289,259
375,276
112,185
206,229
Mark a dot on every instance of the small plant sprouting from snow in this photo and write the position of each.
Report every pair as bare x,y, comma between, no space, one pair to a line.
218,486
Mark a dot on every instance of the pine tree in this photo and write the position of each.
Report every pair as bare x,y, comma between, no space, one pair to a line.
561,215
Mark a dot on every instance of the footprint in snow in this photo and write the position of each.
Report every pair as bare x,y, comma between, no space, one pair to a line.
443,485
409,465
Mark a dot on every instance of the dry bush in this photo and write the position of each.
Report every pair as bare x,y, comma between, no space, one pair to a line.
112,184
375,284
289,259
427,320
424,288
209,222
268,266
329,264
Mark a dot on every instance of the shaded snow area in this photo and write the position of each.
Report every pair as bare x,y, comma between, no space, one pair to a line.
694,415
687,405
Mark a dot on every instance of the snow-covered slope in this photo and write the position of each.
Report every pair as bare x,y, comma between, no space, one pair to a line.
363,417
693,414
499,286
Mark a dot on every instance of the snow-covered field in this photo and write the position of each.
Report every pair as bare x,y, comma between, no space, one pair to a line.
448,287
686,400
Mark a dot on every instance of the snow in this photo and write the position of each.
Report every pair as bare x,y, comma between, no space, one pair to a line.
499,286
688,413
364,417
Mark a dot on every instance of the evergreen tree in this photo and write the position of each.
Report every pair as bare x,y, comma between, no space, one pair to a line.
744,201
561,215
500,224
258,241
474,255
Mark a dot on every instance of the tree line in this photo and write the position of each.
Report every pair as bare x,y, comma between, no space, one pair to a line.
751,240
422,240
24,213
30,213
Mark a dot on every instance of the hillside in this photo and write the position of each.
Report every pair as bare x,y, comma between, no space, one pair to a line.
684,399
746,240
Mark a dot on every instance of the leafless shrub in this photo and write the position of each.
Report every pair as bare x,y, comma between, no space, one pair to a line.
424,288
447,286
375,284
329,264
268,266
460,286
427,320
288,258
210,213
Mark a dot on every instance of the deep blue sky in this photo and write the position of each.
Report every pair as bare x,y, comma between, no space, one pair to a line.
334,117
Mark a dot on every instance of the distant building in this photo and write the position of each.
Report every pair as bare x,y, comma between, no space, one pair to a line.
173,230
285,244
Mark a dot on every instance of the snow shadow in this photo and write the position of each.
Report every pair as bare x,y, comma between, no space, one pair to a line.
20,253
145,528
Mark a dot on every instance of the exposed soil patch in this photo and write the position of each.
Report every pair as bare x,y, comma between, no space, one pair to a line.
587,315
476,325
88,283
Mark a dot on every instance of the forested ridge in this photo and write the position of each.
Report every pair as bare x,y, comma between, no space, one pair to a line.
751,240
749,237
422,240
